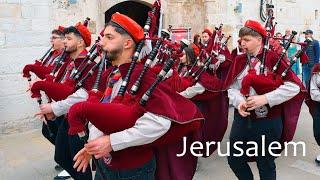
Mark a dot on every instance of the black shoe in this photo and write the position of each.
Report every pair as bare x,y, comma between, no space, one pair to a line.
58,167
317,160
62,175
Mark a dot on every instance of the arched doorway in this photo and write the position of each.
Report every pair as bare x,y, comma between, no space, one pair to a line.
135,10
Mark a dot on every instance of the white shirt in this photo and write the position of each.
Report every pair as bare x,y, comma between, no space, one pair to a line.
314,87
192,91
283,93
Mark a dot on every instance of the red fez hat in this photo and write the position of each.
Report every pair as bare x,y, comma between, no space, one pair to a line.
207,31
256,26
133,28
60,28
85,33
196,50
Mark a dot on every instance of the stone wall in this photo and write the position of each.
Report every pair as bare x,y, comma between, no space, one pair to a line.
185,13
24,35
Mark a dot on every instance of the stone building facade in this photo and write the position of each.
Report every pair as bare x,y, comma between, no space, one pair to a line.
25,27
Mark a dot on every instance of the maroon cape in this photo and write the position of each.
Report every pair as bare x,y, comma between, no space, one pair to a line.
169,166
224,67
213,103
291,108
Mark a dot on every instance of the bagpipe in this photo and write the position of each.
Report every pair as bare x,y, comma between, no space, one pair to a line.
58,63
219,48
277,48
88,60
151,57
40,67
124,110
95,93
39,100
263,83
213,44
269,81
167,49
210,56
214,59
57,88
212,83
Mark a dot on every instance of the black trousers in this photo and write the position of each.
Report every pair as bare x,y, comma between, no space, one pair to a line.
145,172
53,125
271,128
316,122
66,147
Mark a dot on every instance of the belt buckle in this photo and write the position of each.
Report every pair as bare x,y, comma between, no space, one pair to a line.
261,112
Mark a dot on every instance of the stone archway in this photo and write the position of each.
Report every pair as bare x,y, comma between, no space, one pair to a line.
136,10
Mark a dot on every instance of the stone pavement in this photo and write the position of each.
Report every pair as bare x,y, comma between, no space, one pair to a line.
29,156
